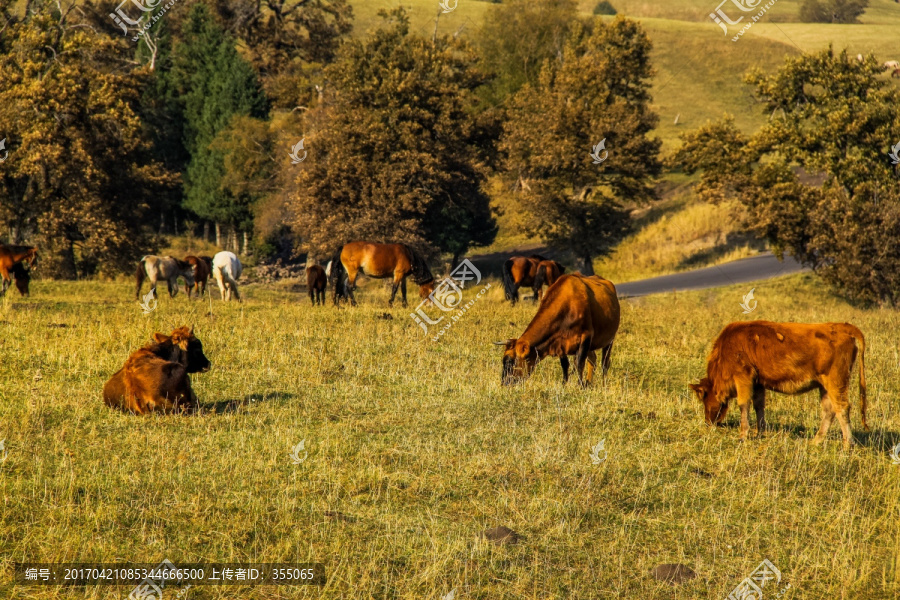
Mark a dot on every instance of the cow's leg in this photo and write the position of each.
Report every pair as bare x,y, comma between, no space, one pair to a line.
607,358
589,367
827,418
744,397
759,406
564,363
584,348
842,409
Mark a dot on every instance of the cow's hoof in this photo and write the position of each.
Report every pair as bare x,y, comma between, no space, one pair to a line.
817,441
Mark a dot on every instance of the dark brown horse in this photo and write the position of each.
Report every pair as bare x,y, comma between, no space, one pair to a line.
10,256
380,261
316,282
548,271
520,271
202,269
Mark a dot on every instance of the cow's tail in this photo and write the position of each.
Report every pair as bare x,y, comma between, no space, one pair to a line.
509,284
541,277
337,275
861,343
139,277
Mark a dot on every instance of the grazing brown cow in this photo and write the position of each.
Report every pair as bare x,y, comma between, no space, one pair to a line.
201,269
750,357
316,282
520,271
156,376
548,271
579,315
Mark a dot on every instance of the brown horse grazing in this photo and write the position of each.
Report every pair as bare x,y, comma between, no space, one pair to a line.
9,257
380,261
579,315
520,271
22,277
202,269
548,271
316,282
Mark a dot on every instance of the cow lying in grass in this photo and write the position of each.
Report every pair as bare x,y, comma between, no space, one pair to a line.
156,376
751,357
578,315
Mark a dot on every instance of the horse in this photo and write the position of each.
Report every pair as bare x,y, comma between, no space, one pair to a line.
162,267
380,261
201,274
10,256
226,270
22,277
520,271
316,282
548,271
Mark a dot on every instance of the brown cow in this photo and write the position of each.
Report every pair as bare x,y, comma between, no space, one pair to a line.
202,269
316,282
156,376
579,315
750,357
548,271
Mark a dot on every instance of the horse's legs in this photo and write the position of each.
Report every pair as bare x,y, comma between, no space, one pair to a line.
6,280
394,291
173,287
352,273
218,277
403,291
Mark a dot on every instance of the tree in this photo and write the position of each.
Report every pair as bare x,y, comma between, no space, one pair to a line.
831,115
399,153
541,27
599,91
79,180
832,11
214,85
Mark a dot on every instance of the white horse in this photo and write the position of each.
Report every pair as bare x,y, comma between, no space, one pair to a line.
226,270
162,267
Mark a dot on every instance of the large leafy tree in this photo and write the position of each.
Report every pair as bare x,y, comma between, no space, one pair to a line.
80,180
836,118
598,89
215,86
399,153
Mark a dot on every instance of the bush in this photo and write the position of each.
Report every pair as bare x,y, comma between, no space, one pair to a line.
832,11
604,8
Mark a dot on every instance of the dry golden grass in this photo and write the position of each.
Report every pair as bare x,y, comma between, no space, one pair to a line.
422,449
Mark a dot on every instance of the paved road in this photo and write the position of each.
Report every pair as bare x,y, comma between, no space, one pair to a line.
755,268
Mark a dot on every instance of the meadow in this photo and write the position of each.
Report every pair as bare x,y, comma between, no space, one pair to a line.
414,449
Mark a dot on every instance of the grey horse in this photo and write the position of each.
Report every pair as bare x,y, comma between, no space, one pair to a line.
166,268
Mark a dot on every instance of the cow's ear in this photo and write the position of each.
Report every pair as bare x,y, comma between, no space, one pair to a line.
698,389
523,348
160,338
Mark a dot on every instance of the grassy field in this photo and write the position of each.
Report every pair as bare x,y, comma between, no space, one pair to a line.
414,449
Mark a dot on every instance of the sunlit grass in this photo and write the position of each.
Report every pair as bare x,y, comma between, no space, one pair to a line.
421,449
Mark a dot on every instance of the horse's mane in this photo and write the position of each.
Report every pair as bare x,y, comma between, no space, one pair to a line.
421,274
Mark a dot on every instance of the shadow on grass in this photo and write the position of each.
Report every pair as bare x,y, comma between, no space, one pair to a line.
878,440
732,241
230,406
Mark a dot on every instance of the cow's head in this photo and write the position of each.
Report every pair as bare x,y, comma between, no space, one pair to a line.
519,359
714,409
188,349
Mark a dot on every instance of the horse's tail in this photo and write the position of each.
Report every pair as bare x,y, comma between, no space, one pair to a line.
509,284
139,277
420,272
336,274
561,267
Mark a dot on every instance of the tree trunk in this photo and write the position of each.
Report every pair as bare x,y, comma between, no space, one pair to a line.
206,231
234,241
218,234
246,244
162,222
587,266
175,222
